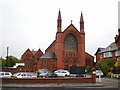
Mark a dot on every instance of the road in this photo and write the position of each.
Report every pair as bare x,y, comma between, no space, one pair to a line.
104,84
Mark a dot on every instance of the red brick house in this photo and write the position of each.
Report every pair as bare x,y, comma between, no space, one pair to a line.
30,58
111,51
117,39
68,49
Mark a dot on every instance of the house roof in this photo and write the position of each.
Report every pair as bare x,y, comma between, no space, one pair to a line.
98,50
33,52
51,44
48,55
111,47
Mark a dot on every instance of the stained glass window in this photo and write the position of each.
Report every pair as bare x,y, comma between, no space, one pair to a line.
70,43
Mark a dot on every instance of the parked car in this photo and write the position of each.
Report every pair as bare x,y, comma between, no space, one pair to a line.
61,72
51,75
5,74
16,74
43,72
98,72
23,75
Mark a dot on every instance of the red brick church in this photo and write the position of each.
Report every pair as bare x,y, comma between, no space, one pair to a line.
68,49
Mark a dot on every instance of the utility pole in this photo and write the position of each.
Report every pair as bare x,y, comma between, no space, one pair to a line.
7,57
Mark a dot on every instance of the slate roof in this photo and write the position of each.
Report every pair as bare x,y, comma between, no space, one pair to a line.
99,50
33,52
48,55
111,47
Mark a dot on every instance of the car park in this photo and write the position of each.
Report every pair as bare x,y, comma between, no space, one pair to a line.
5,74
23,75
61,72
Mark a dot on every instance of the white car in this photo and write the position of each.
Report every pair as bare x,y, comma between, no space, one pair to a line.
61,72
23,75
5,74
98,72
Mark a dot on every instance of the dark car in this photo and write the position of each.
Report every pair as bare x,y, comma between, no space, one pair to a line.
51,75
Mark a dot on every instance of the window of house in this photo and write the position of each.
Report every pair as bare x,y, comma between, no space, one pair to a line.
44,63
28,63
107,54
101,56
117,53
27,56
38,56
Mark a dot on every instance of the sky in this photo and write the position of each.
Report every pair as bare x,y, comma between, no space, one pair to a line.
33,23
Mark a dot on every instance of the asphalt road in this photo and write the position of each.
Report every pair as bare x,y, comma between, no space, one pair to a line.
60,88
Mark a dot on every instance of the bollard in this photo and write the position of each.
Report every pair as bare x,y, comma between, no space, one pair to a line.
99,77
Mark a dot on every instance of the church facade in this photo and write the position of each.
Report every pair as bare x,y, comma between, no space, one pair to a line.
68,49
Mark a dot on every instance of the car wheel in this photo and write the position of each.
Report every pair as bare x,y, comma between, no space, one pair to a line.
66,75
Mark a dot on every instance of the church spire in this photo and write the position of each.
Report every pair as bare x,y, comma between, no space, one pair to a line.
81,24
59,22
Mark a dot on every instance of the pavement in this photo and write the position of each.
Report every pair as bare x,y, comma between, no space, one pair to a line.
103,83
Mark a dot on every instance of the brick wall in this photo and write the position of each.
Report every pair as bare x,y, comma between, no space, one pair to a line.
51,80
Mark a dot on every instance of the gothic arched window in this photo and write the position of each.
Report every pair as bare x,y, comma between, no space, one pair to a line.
70,43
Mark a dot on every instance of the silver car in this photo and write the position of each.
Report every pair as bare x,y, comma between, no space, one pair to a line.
5,74
23,75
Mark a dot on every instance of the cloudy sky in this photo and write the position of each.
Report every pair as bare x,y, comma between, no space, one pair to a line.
33,23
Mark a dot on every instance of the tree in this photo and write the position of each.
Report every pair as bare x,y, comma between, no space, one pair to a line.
12,61
110,62
101,65
104,68
2,62
106,65
117,63
89,69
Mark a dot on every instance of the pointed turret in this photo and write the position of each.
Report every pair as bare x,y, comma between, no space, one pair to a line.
81,24
81,18
59,22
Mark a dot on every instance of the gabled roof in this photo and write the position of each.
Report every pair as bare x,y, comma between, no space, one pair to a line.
48,55
28,50
69,27
99,50
38,52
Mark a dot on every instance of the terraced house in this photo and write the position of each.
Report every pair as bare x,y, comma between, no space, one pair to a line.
111,51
